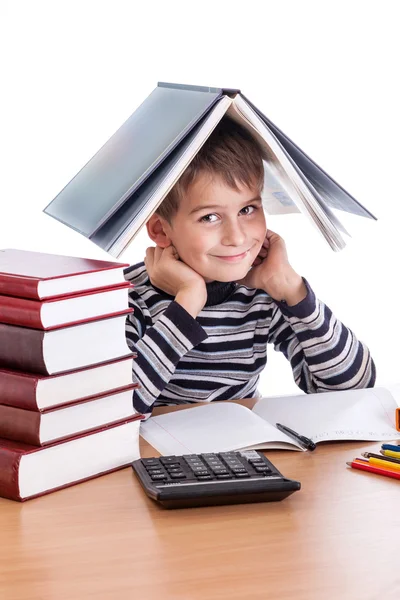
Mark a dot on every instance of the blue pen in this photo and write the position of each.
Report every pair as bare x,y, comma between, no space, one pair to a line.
391,447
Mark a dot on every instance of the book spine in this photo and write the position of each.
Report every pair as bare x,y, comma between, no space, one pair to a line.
18,390
20,425
9,474
20,311
12,285
22,348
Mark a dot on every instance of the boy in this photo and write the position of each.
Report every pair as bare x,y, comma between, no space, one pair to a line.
218,287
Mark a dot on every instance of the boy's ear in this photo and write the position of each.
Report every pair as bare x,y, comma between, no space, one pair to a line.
156,229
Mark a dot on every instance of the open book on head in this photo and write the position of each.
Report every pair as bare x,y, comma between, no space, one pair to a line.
367,414
116,192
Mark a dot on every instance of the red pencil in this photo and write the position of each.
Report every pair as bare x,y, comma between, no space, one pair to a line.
365,466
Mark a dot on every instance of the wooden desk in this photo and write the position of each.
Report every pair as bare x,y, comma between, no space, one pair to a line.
336,539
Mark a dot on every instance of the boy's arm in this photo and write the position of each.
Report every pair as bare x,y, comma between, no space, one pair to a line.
324,354
159,347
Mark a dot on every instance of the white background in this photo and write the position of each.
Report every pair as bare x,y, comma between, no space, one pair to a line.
325,72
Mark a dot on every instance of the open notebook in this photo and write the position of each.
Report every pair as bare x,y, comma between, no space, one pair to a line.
223,426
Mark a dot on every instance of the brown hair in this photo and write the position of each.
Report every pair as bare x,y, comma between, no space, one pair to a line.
230,153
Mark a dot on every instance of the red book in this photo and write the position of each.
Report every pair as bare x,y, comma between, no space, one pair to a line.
43,428
38,275
65,349
28,471
69,310
30,391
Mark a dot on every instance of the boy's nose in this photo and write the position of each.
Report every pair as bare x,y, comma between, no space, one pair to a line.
233,234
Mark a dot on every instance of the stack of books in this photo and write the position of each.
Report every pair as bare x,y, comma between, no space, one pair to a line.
66,412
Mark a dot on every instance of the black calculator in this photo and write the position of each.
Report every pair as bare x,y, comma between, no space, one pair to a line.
212,478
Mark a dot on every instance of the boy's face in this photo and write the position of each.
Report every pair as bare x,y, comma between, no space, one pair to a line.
218,231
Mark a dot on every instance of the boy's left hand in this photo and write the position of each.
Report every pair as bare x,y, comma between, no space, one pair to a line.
272,272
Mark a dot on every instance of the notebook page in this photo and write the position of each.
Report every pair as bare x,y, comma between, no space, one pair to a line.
216,427
367,414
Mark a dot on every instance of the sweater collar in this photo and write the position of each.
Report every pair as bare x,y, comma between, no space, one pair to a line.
219,291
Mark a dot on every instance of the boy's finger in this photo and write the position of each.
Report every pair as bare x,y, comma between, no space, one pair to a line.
150,254
169,252
150,258
158,252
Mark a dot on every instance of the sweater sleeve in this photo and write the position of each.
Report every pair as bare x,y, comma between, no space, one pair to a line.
324,354
159,347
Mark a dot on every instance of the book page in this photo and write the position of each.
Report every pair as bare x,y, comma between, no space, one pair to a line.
275,198
216,427
298,188
367,414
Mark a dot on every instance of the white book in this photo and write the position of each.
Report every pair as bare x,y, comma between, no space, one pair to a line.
367,414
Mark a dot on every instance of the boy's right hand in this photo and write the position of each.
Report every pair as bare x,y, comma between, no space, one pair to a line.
177,279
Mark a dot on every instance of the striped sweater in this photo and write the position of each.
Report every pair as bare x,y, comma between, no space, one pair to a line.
220,354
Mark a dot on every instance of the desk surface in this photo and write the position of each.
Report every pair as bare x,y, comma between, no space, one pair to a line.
338,538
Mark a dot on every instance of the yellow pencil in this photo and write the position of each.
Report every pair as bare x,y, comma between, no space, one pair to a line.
390,453
384,464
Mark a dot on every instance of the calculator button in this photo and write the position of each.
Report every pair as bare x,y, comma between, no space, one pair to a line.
224,476
244,474
233,463
147,462
169,460
263,469
203,477
156,472
158,477
179,475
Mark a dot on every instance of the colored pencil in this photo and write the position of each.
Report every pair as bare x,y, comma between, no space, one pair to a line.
381,457
393,447
384,464
365,466
390,453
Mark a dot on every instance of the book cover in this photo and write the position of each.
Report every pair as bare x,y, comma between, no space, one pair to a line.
38,275
31,391
28,471
63,349
43,428
130,156
68,310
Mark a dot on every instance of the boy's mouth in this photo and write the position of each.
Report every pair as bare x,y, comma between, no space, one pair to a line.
234,257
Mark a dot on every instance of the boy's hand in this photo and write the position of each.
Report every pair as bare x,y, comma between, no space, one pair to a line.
176,278
272,272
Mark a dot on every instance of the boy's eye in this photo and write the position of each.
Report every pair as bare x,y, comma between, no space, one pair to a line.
247,210
211,218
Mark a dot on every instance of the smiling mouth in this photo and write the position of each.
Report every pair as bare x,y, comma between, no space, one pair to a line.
234,257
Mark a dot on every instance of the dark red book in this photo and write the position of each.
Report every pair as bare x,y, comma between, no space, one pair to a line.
38,275
64,349
28,471
43,428
31,391
69,310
